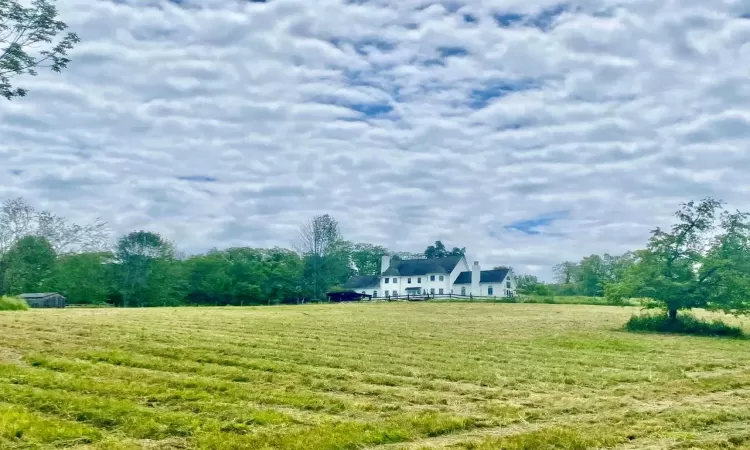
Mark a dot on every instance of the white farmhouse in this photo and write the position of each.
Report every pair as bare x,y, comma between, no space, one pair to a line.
435,276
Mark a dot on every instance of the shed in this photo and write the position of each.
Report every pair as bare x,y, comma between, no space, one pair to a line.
348,296
44,300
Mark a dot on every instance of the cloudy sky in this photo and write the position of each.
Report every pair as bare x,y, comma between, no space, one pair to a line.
529,131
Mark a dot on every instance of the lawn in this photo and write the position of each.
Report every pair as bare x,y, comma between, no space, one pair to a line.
367,376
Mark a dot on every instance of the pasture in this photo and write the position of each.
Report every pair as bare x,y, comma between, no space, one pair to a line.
365,376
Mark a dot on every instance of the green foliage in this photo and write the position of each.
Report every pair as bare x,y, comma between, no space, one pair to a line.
84,278
27,266
326,255
703,261
244,276
683,324
366,258
143,271
12,304
25,29
439,251
591,274
530,285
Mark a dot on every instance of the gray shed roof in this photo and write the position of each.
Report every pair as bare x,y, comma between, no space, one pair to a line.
39,295
485,276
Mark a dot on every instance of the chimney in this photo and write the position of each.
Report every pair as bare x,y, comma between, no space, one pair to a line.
476,272
385,263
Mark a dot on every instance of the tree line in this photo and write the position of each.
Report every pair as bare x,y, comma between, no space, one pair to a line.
42,252
701,261
587,277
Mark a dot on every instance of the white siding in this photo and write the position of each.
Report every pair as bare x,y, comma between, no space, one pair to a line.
499,289
462,266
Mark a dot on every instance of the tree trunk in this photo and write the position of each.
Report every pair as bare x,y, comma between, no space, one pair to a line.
672,314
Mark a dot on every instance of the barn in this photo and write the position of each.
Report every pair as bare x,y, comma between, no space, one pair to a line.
347,296
44,300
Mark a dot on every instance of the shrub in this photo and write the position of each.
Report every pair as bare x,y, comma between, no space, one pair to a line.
683,324
13,304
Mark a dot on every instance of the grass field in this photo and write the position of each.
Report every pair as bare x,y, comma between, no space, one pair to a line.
371,376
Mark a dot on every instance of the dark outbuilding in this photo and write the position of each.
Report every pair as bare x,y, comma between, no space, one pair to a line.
44,300
348,296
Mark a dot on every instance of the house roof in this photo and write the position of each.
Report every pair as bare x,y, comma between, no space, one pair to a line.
485,276
362,282
411,267
39,295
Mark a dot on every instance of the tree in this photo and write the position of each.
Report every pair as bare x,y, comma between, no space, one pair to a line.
438,250
143,268
565,272
19,219
531,285
367,258
27,266
24,30
325,253
242,276
703,261
403,256
591,276
525,282
84,277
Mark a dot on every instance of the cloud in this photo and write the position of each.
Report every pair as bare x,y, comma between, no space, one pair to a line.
221,122
198,178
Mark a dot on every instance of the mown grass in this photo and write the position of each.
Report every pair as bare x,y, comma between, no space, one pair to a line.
541,299
357,376
12,304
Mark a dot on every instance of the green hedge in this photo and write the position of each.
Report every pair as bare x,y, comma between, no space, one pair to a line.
683,324
13,304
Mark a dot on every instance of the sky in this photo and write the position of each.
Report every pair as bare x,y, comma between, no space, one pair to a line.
529,131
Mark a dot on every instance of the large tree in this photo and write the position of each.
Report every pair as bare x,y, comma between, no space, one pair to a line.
703,261
326,255
84,277
367,258
591,276
438,250
19,219
565,272
27,266
144,272
31,37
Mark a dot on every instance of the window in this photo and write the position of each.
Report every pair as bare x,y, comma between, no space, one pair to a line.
374,294
440,278
408,281
395,293
432,290
395,280
507,284
440,292
432,277
490,291
463,290
419,280
387,280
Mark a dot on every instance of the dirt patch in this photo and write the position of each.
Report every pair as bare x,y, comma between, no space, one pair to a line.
8,356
